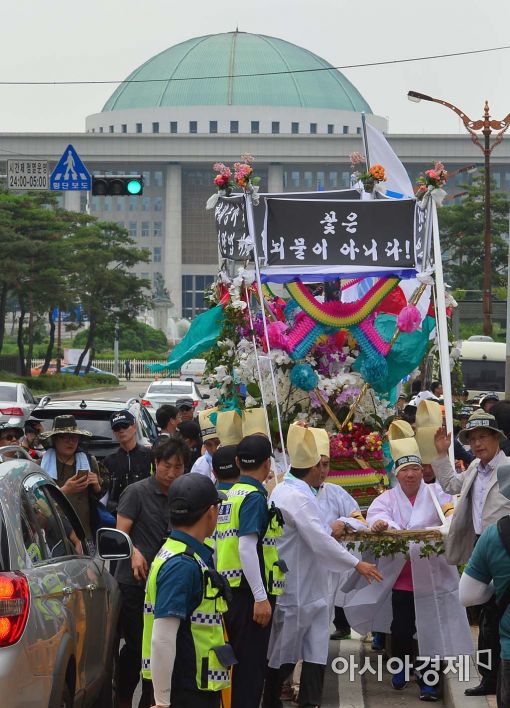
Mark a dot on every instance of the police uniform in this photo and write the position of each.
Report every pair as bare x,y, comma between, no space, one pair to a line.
246,513
183,584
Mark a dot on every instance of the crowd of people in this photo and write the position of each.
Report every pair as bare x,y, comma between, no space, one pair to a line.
238,564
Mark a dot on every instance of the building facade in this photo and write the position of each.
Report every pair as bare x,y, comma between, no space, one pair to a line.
212,99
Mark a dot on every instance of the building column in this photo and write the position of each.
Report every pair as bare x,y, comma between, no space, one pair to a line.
172,271
275,178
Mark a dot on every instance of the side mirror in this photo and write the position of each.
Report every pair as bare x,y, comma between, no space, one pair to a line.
205,396
113,544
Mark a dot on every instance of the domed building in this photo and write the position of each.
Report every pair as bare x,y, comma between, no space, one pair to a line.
211,99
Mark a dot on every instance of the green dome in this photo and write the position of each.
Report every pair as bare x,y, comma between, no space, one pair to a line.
229,55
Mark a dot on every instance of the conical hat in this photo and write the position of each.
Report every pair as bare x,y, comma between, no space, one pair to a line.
405,452
429,417
254,421
302,448
229,428
321,440
400,429
207,427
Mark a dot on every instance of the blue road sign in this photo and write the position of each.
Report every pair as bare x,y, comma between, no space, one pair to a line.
70,174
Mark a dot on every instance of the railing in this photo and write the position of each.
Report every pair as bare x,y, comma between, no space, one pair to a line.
138,368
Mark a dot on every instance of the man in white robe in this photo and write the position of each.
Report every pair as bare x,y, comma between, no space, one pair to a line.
418,595
341,512
302,614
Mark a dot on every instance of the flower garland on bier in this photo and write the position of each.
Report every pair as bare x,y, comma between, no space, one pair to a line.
227,180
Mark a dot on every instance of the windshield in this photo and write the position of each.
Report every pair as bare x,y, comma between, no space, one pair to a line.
8,393
483,375
172,387
88,420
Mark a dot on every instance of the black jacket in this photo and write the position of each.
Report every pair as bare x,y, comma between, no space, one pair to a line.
126,468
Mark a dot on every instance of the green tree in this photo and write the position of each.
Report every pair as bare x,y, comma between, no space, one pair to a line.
107,289
134,336
462,227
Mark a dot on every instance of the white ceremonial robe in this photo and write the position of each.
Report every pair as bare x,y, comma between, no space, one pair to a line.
301,617
441,623
336,505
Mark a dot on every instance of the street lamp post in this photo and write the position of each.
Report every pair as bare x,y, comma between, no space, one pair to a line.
486,126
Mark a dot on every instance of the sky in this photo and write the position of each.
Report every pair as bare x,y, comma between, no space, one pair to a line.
99,40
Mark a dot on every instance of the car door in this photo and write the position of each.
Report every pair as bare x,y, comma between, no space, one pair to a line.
87,573
78,578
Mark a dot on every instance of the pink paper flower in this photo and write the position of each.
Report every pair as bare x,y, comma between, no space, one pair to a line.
409,319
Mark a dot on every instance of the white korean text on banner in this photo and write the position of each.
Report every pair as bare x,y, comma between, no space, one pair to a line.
343,237
234,242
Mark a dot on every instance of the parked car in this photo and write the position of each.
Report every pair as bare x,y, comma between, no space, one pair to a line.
71,368
95,416
58,608
16,403
193,370
169,391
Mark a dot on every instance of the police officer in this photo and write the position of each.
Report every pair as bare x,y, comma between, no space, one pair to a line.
184,651
248,558
225,467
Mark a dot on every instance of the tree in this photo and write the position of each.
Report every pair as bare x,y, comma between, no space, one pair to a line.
135,336
108,290
462,228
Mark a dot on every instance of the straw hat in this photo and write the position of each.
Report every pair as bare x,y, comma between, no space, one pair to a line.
229,428
302,448
429,417
64,424
207,427
480,420
321,440
405,452
254,421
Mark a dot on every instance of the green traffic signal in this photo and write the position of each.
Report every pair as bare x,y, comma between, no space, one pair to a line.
134,186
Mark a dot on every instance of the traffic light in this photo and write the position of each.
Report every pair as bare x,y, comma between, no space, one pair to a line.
117,185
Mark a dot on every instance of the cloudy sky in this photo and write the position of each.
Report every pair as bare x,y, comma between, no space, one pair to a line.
99,40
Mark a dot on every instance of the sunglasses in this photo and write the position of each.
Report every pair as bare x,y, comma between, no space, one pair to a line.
121,426
10,436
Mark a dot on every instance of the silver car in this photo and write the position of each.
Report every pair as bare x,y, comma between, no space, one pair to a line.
16,403
58,608
169,391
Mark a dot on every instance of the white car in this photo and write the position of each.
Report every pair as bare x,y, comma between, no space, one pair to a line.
16,403
169,391
193,370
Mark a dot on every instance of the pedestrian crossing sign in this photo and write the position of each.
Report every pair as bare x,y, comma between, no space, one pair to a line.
70,174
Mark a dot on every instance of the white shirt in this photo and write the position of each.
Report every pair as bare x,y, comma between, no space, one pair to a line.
480,487
335,502
203,466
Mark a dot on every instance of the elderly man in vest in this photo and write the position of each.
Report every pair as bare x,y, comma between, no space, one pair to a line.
418,595
302,614
480,505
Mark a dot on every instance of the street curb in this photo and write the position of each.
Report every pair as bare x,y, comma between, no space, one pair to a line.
453,690
60,394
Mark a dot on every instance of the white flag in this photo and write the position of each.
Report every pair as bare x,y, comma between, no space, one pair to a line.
380,152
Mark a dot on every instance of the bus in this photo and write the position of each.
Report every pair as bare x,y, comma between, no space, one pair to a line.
483,366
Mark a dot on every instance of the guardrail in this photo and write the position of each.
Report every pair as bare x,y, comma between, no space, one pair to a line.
138,368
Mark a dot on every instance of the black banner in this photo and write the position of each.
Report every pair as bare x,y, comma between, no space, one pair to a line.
375,233
231,224
232,229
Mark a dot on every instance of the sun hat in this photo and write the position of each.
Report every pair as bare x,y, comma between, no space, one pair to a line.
480,420
65,424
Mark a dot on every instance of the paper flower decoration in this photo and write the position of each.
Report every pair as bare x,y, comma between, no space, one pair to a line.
304,377
409,319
